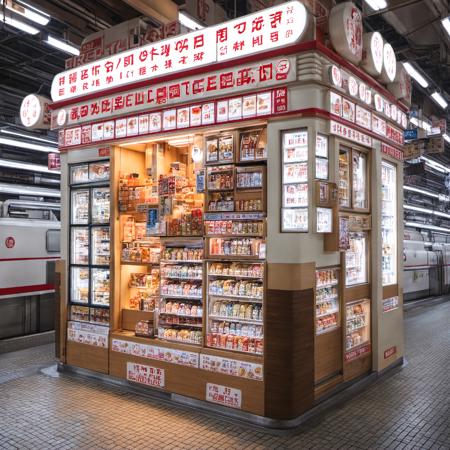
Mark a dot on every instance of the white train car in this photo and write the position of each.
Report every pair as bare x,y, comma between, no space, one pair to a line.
29,240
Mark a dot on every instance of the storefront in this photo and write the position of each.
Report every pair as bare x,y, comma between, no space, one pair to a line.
230,231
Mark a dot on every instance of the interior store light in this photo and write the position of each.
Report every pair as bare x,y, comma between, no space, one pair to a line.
27,136
188,21
446,24
25,166
425,192
435,165
439,99
426,211
27,11
376,5
426,227
20,25
415,74
18,189
61,45
181,138
28,145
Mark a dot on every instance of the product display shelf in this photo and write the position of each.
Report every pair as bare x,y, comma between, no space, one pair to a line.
181,255
137,263
327,308
236,319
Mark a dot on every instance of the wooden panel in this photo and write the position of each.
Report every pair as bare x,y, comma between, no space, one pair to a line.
358,367
191,382
328,355
390,291
327,386
291,277
289,352
356,293
131,316
87,357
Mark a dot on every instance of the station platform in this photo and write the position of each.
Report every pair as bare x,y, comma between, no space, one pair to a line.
41,408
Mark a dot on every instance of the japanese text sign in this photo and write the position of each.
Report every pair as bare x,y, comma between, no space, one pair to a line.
148,375
223,395
265,30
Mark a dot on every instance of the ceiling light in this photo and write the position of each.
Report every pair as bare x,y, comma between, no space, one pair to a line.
19,189
415,74
435,165
27,136
439,99
25,166
420,191
414,121
28,145
427,227
189,22
416,208
28,11
376,5
61,45
446,24
20,25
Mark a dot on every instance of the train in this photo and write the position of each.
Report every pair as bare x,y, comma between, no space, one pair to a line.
29,247
426,265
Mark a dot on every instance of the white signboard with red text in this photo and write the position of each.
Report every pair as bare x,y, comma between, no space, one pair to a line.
261,75
223,395
269,29
148,375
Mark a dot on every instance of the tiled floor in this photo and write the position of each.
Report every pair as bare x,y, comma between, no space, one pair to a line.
410,409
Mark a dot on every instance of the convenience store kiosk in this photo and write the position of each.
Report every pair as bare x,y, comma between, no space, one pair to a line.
243,203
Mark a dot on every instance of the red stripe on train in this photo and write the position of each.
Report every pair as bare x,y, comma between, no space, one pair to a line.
26,289
29,259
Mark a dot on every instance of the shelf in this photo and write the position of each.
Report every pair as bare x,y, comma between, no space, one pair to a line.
180,315
356,346
328,329
237,298
169,277
323,286
183,325
329,313
356,328
98,305
326,300
252,235
184,297
238,277
134,263
221,190
220,211
236,257
178,341
237,319
236,350
190,261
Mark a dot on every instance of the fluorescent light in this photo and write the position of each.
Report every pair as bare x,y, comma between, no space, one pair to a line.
188,21
61,45
427,227
426,126
421,191
27,136
447,138
20,25
415,74
446,24
19,189
28,145
25,166
439,100
435,164
377,4
414,121
28,11
427,211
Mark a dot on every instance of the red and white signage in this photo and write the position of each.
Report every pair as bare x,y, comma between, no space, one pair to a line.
241,78
357,352
34,111
223,395
349,133
148,375
346,31
54,161
394,134
391,351
378,125
391,303
261,104
269,29
389,69
401,87
372,59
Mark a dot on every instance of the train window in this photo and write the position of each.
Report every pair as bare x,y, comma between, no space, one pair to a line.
53,241
33,212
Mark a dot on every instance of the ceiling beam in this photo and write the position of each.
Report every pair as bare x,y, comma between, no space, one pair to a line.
162,11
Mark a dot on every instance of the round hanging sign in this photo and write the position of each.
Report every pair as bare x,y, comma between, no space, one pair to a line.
372,57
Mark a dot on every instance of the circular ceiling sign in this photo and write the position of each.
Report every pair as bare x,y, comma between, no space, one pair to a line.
372,59
389,64
346,30
34,111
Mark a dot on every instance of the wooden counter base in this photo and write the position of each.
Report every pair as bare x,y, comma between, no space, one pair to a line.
87,356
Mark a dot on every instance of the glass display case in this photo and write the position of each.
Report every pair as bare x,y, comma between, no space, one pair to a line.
359,176
180,311
344,177
322,162
89,282
357,324
356,270
235,293
389,223
327,300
